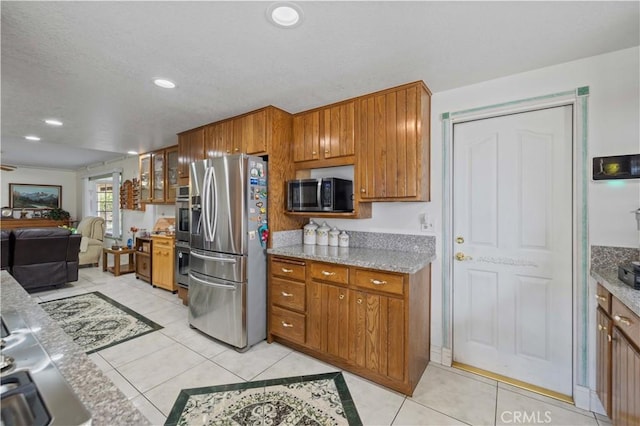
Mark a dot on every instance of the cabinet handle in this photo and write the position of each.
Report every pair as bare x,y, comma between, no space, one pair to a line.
363,190
359,301
326,151
341,297
285,294
328,274
313,153
599,327
237,149
609,338
286,324
623,320
377,282
287,271
600,298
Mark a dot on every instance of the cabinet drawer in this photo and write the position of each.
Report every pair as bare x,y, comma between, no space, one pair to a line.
327,272
380,281
287,294
163,242
604,298
292,271
287,324
626,320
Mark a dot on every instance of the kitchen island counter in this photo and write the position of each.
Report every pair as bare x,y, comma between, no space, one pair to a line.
386,260
608,277
107,404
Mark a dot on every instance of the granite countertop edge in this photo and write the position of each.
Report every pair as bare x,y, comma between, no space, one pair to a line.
386,260
107,404
608,277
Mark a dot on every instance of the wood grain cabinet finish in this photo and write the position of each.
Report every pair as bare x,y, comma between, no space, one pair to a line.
159,175
190,149
162,263
325,136
394,144
617,359
218,139
381,333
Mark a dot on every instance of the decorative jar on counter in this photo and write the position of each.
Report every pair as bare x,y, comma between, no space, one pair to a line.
333,237
323,235
343,239
310,232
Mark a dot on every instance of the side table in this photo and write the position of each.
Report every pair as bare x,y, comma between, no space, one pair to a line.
118,269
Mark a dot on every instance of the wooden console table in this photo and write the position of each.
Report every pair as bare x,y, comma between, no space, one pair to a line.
118,269
8,223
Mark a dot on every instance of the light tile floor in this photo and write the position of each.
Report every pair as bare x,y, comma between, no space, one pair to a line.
151,370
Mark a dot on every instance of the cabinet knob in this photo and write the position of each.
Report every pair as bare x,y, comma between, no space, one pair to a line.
609,338
622,320
326,151
314,153
363,190
341,297
285,294
237,149
286,324
359,301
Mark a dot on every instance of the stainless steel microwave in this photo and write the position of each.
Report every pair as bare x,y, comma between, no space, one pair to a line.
320,195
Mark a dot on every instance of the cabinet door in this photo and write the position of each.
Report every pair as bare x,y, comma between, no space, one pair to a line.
254,133
338,130
162,268
336,314
218,139
315,320
157,177
625,381
392,157
171,174
190,149
603,359
145,178
376,334
306,136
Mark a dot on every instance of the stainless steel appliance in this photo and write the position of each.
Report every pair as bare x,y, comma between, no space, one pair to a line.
227,276
320,195
33,391
182,263
182,214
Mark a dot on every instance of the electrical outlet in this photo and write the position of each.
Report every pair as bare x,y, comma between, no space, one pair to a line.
426,227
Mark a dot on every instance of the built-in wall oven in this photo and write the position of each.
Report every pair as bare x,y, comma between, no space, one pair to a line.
182,263
182,214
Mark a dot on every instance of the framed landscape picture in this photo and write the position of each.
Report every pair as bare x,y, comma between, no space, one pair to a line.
32,196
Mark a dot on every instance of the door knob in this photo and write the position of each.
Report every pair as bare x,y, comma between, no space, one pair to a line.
461,256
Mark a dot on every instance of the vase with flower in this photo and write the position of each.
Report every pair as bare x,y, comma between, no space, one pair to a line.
130,241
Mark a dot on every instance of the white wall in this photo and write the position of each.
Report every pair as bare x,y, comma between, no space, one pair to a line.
65,178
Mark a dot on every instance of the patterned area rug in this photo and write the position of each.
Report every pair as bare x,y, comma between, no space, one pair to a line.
321,399
96,322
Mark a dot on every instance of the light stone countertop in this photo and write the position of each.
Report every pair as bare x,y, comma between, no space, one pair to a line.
608,277
107,404
387,260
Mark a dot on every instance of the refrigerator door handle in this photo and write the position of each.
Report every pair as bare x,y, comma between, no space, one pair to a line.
319,193
206,204
217,259
215,203
211,284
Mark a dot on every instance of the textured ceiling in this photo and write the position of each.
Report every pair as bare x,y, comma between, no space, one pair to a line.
91,64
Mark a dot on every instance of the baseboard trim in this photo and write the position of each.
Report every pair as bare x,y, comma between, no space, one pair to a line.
436,354
447,357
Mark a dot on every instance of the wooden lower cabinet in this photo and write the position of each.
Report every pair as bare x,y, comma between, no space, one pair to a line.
625,381
603,359
163,264
372,323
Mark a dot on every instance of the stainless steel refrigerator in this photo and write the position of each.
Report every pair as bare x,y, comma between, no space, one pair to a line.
227,276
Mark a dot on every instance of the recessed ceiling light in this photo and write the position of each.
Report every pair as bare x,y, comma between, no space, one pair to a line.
285,14
32,138
165,84
132,153
53,122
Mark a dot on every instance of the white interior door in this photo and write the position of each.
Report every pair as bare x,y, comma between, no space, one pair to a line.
512,220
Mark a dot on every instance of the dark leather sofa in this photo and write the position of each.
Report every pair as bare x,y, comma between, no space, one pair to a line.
42,257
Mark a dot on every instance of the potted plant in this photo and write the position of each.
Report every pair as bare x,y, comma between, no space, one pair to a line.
58,214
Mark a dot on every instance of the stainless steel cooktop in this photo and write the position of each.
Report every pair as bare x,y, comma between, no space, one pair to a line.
33,391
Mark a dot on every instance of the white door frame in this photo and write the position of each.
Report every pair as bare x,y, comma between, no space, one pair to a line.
578,98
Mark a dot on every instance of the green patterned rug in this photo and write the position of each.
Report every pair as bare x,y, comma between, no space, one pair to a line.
321,399
95,322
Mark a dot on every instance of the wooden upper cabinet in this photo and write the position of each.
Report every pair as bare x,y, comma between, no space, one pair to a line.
218,139
157,180
145,177
306,136
190,149
254,133
325,134
393,128
171,173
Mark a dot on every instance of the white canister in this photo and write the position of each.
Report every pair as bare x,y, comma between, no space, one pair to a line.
333,237
343,239
310,232
323,235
